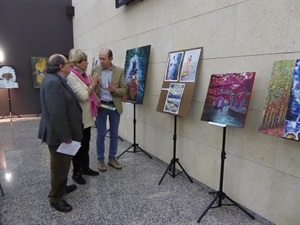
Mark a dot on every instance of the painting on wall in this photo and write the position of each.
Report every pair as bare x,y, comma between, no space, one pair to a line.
173,66
189,65
38,68
8,77
281,114
96,61
228,98
174,97
135,71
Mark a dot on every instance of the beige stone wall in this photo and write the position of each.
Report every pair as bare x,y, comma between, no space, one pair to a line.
262,172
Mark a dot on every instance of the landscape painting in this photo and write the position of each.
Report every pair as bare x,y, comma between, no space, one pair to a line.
228,98
281,114
173,100
135,71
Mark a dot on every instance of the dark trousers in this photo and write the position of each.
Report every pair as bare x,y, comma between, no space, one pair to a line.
59,167
81,160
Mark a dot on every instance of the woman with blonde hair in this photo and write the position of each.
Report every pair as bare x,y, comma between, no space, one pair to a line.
83,86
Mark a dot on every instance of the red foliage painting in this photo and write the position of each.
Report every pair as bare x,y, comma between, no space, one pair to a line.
228,98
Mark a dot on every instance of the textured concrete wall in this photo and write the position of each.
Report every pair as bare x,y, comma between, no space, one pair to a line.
262,172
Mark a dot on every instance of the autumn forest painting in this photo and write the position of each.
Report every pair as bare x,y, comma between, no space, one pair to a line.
228,98
281,114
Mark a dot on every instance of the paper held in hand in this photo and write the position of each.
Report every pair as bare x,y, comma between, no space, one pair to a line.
69,149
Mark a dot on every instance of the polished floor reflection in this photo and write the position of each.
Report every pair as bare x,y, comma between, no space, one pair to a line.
130,196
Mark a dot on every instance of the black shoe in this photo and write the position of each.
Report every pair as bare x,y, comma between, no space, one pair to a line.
90,172
71,188
78,178
62,206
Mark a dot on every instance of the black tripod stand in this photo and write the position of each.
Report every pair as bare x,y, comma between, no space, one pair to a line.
10,113
1,189
174,160
118,136
135,145
220,195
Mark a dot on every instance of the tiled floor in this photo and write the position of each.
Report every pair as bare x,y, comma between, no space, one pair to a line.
131,196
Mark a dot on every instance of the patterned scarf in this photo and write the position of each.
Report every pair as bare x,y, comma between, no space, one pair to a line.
85,79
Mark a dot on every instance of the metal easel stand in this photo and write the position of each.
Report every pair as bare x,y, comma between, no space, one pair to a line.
220,195
135,146
10,114
172,166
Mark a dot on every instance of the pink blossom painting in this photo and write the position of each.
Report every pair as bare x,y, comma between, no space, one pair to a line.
228,98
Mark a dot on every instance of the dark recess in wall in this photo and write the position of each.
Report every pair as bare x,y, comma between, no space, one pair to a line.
31,28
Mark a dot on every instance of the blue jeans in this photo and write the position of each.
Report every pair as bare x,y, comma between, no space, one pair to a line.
114,120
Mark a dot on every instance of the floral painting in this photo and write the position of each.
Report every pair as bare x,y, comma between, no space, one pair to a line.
227,98
38,68
281,114
135,71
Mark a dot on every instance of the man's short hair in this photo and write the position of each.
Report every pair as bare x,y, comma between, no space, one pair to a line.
53,64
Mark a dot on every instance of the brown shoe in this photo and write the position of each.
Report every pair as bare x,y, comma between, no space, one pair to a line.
115,164
102,166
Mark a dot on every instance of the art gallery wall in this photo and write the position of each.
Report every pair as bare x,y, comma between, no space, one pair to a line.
31,28
262,172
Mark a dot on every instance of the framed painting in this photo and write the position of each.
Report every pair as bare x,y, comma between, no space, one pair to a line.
96,61
189,65
228,98
281,114
38,69
8,77
173,66
135,71
174,97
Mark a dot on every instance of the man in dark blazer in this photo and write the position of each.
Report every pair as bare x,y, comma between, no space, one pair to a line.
111,90
61,122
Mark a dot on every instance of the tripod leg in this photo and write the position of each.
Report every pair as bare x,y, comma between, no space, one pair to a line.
142,150
16,114
185,172
2,192
208,207
240,207
165,172
7,114
125,151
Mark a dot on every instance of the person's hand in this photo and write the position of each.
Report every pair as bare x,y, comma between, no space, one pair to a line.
112,86
69,141
95,79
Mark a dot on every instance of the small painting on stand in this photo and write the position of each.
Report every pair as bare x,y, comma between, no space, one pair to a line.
189,65
8,77
228,98
174,96
173,66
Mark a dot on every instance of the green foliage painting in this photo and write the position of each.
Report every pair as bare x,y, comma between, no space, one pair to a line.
281,114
